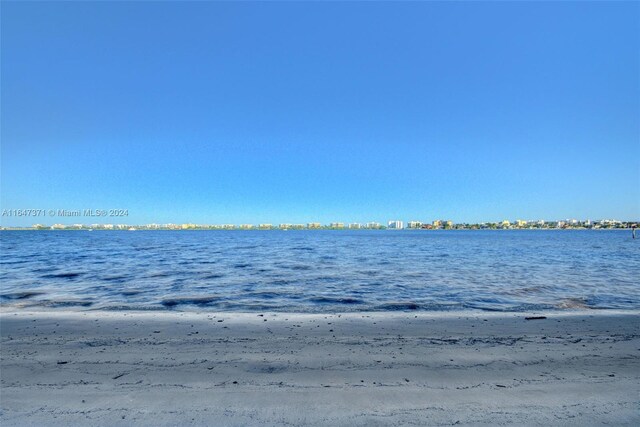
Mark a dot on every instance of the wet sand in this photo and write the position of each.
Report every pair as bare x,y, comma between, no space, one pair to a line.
358,369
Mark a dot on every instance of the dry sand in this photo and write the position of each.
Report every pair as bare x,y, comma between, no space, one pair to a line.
359,369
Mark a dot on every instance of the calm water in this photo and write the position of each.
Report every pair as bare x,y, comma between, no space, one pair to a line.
320,270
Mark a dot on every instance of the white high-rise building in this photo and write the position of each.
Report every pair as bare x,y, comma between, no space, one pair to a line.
395,225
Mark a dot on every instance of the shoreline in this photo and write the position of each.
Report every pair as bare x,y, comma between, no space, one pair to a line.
8,309
574,367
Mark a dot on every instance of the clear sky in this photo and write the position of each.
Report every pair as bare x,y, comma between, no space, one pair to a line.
296,112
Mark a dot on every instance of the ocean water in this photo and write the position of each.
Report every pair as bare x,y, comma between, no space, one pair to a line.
320,271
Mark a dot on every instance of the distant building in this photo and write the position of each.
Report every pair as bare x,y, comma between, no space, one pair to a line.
414,224
314,225
373,225
246,226
355,226
442,223
265,226
395,225
336,225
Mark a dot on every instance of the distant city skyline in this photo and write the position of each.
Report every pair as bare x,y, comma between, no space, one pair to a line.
269,112
20,218
90,219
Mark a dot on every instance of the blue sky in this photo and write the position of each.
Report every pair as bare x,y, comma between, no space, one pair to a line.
296,112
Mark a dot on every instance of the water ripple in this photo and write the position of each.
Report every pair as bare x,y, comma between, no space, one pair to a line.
321,271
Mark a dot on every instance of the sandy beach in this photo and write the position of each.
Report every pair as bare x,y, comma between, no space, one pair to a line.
362,369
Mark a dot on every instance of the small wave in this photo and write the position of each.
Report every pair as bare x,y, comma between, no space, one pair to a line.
67,275
231,306
539,289
159,274
265,295
21,295
63,303
506,307
116,279
131,292
145,248
282,282
300,267
241,265
205,300
370,273
213,276
336,300
487,307
14,262
397,306
573,304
